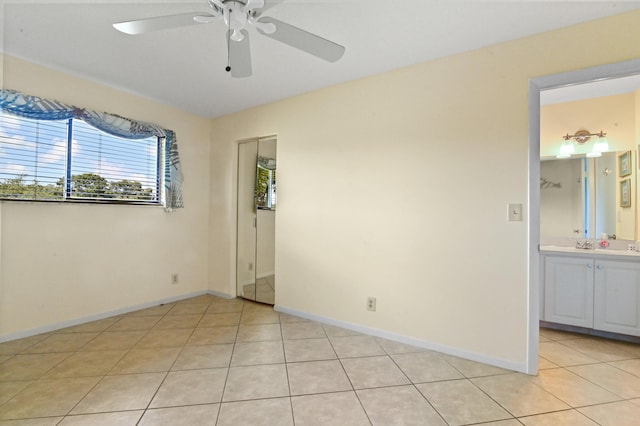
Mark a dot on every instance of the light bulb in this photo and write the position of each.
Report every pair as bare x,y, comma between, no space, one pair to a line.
566,149
237,35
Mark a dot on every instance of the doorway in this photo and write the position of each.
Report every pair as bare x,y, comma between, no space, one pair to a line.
257,201
536,85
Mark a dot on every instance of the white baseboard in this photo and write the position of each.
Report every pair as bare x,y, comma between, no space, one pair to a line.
461,353
103,315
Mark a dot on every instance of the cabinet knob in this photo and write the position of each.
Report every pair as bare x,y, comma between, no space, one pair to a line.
589,266
599,266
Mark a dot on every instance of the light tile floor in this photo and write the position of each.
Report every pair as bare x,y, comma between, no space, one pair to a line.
211,361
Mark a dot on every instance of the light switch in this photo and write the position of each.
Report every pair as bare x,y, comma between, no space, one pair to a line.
515,212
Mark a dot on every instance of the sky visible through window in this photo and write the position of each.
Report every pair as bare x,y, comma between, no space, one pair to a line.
35,152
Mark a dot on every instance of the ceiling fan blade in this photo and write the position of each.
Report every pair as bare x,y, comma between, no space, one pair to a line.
240,56
254,4
141,26
303,40
270,3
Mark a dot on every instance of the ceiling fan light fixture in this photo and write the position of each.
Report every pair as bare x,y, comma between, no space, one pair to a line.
236,35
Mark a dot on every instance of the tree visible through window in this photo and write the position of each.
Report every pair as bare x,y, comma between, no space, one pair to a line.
68,159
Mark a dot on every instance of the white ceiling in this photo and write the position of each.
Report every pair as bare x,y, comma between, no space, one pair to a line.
184,67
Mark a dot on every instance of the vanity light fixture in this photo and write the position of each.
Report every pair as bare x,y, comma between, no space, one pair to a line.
581,137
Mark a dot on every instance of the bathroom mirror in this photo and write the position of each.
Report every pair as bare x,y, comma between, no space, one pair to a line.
588,203
578,199
255,265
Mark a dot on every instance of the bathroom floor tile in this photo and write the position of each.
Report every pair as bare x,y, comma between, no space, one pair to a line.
387,373
568,418
256,353
265,412
610,378
259,333
63,342
474,369
103,419
146,360
622,413
337,409
18,346
9,389
572,389
219,307
188,308
200,415
30,366
308,350
165,338
178,321
206,356
562,355
426,366
260,317
86,364
519,394
460,402
400,405
355,346
191,387
317,377
599,349
46,398
302,330
630,366
120,393
113,340
221,319
256,382
134,323
213,335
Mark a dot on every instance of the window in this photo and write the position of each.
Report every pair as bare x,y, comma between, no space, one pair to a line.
265,188
71,160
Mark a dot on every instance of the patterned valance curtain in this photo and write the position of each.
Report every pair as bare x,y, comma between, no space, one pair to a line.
37,108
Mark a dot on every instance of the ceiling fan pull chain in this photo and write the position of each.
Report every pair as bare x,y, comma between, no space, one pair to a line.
228,67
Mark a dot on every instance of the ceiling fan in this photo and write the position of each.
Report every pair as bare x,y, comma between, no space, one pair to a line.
238,15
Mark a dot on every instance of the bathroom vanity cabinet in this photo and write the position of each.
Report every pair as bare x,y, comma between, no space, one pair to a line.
595,290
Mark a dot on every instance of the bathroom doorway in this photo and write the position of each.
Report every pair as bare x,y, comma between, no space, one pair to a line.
536,86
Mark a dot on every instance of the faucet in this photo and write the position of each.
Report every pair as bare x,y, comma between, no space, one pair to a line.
585,245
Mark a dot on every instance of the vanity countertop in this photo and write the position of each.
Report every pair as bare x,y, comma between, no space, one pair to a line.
549,249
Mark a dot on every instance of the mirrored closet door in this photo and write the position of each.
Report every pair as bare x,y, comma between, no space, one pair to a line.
255,269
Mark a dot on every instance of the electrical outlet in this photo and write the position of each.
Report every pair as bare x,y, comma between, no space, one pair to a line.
174,279
371,304
632,247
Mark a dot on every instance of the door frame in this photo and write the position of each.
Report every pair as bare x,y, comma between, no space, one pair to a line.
536,85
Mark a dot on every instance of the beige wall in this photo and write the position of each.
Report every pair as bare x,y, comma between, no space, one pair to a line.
396,186
58,259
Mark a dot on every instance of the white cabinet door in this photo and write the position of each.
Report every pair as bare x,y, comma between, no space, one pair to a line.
617,297
568,292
